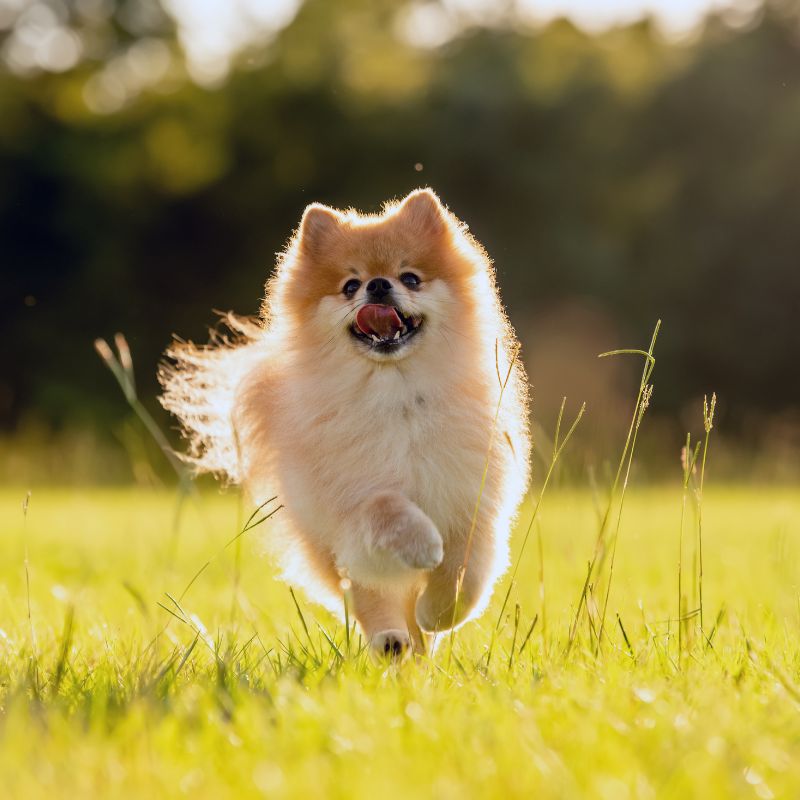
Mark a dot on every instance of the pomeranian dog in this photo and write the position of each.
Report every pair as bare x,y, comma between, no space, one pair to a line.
379,396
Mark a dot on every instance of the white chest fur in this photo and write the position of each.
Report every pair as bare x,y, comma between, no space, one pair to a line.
384,427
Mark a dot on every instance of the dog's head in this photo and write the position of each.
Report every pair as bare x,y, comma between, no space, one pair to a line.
382,286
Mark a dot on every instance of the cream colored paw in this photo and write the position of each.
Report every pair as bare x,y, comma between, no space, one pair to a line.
394,644
416,541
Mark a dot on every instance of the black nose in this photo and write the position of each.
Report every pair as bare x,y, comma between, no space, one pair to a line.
378,288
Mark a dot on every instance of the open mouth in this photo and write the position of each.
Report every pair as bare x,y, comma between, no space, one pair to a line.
384,327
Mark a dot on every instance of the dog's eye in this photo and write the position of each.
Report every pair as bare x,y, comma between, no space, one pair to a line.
351,287
411,280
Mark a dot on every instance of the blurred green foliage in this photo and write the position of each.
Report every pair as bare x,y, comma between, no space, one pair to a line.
651,178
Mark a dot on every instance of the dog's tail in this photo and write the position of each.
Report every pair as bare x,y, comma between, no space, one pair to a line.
199,383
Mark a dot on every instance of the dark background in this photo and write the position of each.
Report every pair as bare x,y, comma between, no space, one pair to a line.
616,178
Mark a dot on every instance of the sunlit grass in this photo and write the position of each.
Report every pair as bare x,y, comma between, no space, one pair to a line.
120,698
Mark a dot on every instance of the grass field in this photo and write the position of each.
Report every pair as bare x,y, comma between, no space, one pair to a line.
230,692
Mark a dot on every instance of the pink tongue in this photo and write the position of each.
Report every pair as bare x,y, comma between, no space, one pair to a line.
378,320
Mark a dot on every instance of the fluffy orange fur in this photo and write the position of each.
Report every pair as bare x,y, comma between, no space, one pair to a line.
376,446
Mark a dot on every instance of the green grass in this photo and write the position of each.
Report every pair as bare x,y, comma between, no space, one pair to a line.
105,693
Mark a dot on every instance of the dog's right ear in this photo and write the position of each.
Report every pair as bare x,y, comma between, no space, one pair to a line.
318,225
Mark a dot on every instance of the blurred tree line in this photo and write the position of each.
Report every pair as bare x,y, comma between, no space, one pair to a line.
647,177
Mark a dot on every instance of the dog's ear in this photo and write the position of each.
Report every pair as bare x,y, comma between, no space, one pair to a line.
318,226
423,210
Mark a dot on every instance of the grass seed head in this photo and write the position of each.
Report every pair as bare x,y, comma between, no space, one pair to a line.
708,411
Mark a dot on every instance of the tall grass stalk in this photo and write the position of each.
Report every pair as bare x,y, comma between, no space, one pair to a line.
34,645
121,366
558,448
708,424
599,553
514,637
688,463
542,597
645,401
237,559
251,523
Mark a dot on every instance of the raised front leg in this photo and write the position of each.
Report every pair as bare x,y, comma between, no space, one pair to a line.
391,540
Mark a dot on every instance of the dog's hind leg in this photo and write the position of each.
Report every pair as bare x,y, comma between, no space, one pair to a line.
437,609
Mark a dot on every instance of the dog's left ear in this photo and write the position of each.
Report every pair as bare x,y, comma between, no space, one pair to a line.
423,210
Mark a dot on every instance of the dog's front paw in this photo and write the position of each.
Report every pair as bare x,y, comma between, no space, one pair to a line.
392,644
417,542
401,535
